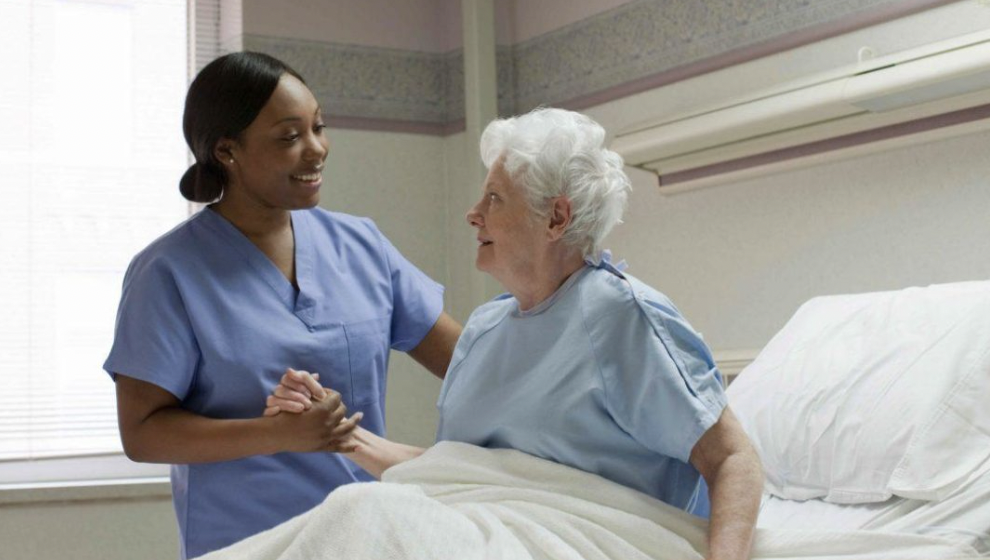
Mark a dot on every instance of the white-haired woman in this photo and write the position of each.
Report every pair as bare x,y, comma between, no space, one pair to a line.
580,363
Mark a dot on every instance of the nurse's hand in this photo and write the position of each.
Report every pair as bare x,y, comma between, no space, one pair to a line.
294,392
324,427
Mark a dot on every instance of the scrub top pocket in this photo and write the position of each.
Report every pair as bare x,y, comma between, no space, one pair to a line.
367,348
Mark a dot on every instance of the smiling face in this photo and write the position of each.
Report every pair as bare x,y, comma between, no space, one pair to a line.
510,239
278,159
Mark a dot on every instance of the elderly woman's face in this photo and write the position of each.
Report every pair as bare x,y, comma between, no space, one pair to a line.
509,237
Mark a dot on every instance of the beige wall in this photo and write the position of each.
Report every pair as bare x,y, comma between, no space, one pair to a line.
89,530
739,258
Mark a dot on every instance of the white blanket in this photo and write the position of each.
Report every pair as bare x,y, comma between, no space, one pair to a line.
462,502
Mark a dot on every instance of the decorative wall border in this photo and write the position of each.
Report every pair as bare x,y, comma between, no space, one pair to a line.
635,47
371,83
643,45
371,88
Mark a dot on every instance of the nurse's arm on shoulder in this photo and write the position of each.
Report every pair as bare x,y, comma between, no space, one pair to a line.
437,347
731,467
154,428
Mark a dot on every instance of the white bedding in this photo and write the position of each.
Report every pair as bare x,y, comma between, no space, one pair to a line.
464,502
863,397
963,516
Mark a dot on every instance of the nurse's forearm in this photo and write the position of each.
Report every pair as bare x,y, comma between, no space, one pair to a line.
375,454
175,435
156,429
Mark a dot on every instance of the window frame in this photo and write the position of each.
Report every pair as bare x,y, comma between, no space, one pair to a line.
213,27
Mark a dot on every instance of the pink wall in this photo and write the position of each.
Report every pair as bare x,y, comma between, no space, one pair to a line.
531,18
419,25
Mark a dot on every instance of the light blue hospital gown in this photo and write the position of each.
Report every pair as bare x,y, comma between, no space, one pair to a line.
604,376
208,317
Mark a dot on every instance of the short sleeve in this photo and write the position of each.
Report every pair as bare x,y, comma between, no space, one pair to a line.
417,300
661,384
153,338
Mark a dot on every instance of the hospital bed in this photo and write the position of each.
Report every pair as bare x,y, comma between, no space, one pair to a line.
872,411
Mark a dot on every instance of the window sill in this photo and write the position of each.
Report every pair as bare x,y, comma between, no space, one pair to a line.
85,491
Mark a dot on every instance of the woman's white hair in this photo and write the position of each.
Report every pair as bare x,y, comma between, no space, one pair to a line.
553,152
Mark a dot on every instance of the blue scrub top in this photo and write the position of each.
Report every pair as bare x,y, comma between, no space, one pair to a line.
605,376
208,317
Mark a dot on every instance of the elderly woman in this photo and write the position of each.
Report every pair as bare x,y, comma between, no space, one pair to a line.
581,363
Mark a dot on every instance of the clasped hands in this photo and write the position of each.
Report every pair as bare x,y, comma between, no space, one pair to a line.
317,418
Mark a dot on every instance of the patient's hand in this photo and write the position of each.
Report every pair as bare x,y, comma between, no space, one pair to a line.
296,392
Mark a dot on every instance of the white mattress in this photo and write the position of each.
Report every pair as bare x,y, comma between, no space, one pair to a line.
964,516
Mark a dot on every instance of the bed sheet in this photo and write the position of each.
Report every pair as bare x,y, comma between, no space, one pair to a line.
465,502
963,516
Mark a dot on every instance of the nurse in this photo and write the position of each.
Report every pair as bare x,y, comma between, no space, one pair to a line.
261,283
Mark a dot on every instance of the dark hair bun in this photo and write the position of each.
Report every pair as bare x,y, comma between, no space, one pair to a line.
200,184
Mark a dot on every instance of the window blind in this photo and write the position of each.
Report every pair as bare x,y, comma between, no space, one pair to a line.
91,152
218,28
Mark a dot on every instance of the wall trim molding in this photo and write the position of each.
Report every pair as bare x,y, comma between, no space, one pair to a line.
732,362
936,127
138,489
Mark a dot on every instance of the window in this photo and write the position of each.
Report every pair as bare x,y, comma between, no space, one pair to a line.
91,151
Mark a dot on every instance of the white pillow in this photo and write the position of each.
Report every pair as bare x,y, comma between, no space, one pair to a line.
861,397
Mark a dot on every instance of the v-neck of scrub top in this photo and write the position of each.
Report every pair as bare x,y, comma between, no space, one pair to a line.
301,303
